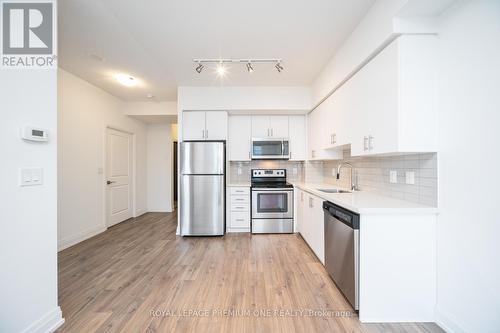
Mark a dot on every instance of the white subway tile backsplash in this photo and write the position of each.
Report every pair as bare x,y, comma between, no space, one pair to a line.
373,175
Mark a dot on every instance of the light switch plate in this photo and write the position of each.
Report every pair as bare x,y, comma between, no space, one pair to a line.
393,177
30,176
410,177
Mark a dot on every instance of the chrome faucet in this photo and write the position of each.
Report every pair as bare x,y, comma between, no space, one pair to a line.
354,185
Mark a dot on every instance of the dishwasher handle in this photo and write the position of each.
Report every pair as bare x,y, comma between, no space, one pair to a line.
341,214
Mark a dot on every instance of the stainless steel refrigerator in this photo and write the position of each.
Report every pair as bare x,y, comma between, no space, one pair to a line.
202,203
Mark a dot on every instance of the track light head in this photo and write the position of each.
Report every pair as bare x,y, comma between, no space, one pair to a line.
278,67
249,67
199,68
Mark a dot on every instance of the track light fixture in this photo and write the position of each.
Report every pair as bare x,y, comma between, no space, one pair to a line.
249,67
200,67
278,67
221,70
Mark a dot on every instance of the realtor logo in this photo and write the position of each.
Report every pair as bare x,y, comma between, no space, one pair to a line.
28,34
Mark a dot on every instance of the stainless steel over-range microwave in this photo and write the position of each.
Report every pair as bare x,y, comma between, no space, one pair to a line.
270,149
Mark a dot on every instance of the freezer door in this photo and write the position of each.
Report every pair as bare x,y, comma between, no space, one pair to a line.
202,205
202,158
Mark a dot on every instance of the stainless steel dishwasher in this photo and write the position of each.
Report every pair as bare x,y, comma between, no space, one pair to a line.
342,250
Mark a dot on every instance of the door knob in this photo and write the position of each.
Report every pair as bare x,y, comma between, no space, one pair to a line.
110,182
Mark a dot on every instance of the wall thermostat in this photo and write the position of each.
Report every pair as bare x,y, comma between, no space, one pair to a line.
34,134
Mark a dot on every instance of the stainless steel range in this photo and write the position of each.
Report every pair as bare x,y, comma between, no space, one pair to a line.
272,202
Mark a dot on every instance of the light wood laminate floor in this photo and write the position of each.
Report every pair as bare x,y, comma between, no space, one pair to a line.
138,276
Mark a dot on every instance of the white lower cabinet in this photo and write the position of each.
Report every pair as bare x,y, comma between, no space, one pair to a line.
238,209
310,222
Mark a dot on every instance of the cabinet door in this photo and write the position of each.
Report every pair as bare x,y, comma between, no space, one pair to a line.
279,126
376,113
328,123
261,127
193,125
297,136
216,125
239,141
319,228
312,226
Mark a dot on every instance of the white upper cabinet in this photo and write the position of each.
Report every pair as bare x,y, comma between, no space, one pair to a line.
216,125
389,106
260,126
398,109
193,125
318,142
279,126
239,138
204,125
270,126
297,137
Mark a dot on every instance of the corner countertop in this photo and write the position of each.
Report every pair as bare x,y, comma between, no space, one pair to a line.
363,202
238,184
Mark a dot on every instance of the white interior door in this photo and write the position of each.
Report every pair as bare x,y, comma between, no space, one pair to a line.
118,176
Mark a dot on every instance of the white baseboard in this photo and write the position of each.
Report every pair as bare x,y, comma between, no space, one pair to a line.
48,323
446,322
75,239
140,212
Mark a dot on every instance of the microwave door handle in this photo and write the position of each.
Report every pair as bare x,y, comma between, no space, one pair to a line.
282,148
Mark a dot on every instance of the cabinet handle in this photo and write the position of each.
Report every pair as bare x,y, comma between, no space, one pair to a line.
334,138
365,143
203,134
313,154
206,136
311,202
301,196
238,199
239,207
249,156
240,220
370,142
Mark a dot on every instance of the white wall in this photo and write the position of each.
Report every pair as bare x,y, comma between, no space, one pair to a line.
28,215
84,112
159,167
245,98
150,108
468,164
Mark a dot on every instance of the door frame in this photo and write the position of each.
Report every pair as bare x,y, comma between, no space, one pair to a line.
105,169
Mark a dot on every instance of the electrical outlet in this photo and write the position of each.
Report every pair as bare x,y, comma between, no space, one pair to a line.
410,177
393,177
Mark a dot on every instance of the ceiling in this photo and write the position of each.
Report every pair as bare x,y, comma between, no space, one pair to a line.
156,41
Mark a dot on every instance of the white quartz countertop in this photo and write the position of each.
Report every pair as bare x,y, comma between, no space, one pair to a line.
365,202
238,184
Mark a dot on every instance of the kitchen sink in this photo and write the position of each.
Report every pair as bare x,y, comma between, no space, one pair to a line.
332,190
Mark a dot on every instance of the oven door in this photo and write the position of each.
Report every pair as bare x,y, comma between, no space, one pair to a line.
272,204
267,149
